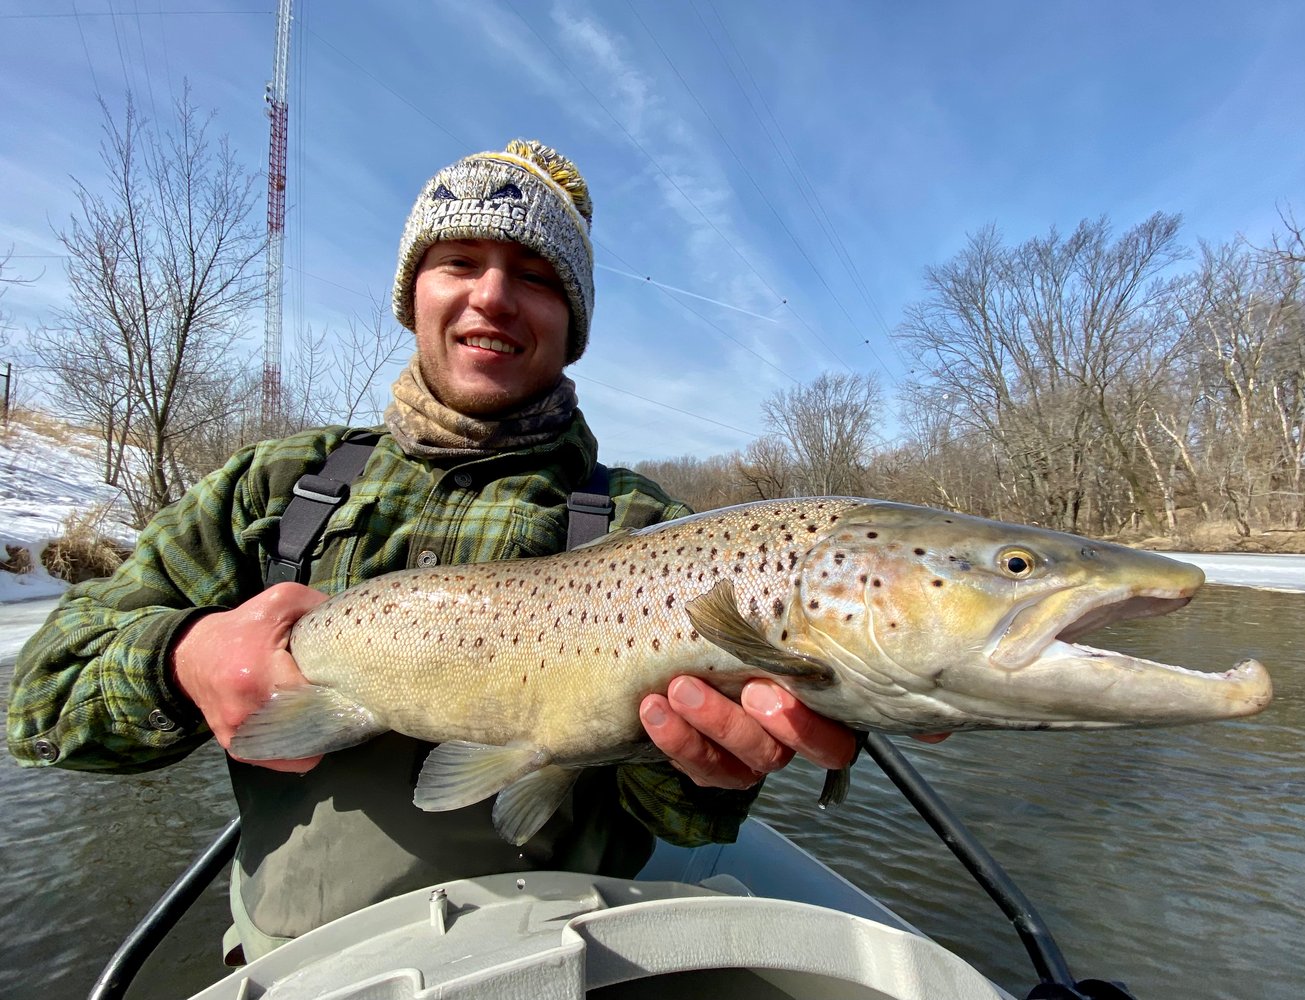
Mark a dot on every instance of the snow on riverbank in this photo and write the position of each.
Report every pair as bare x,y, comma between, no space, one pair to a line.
44,481
1249,569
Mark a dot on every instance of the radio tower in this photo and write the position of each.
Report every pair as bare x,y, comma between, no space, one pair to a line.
277,112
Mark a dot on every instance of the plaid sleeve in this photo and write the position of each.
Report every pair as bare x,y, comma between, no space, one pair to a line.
91,689
673,808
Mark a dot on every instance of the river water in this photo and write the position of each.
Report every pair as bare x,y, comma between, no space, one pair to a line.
1173,860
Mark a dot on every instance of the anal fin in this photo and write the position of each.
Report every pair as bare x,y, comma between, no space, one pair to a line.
525,806
457,773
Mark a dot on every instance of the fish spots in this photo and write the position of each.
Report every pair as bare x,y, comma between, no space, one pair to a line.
778,608
863,578
784,635
813,604
937,583
847,617
918,552
670,600
872,534
656,644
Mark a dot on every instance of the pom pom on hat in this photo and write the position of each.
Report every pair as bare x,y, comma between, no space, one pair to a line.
528,194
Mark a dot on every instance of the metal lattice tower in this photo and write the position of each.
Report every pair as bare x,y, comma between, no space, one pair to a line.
276,154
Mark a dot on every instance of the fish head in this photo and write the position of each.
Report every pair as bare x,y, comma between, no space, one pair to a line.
957,621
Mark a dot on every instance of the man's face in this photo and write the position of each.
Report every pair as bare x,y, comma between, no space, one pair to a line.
492,321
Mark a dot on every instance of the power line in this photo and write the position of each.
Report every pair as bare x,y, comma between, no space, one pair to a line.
387,88
802,182
665,406
647,155
748,173
113,13
89,65
721,330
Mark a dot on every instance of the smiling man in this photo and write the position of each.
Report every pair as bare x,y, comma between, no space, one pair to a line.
481,447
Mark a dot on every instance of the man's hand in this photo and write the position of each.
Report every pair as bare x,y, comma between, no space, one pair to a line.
229,663
722,744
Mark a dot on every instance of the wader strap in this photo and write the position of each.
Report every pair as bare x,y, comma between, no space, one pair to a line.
589,512
316,495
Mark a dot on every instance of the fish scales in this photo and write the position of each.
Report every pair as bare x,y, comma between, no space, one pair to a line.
494,650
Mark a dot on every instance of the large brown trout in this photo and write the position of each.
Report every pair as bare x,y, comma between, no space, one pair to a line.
881,615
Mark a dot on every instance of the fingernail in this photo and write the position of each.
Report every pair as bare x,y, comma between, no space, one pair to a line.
763,699
654,714
689,692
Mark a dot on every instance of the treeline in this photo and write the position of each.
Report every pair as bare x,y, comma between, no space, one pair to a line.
1081,381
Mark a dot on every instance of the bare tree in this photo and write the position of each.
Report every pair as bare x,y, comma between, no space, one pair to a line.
765,469
335,379
702,483
829,428
1034,345
164,268
1247,326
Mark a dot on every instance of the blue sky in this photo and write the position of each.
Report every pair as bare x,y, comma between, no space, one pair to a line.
782,173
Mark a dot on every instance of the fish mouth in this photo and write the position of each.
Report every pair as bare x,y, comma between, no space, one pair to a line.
1111,611
1041,655
1031,626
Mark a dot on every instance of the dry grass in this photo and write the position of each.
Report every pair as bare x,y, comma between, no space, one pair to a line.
83,551
18,559
48,425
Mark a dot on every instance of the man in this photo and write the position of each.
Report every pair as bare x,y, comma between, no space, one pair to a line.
483,444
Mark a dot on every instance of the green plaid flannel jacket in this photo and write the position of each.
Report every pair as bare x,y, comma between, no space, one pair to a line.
92,690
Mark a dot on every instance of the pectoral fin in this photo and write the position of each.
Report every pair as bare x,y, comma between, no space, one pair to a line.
717,618
837,784
303,722
456,774
524,806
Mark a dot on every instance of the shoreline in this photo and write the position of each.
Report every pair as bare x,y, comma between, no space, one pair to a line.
1280,571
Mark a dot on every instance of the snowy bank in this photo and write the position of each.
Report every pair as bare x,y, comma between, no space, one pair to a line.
44,481
1266,571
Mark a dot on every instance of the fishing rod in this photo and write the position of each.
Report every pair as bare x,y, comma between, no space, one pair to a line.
1057,983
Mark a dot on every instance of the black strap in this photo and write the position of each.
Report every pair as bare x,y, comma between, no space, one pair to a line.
316,495
589,512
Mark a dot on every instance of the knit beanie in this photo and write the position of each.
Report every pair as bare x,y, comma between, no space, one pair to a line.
528,194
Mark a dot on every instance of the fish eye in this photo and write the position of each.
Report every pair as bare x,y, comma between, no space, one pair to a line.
1017,563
